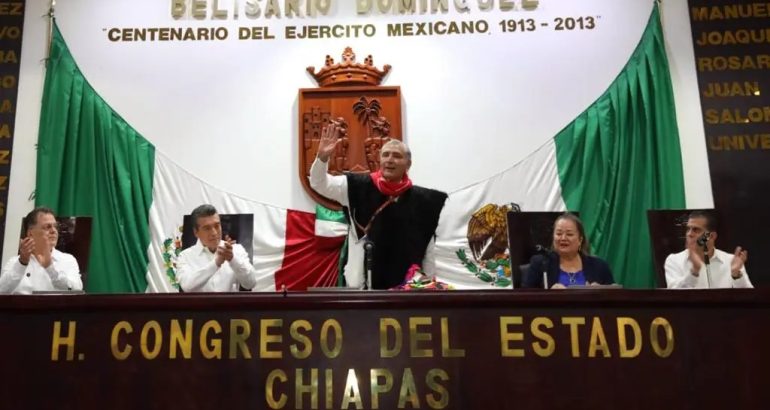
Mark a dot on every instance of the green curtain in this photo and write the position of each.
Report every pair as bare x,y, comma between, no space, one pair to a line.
622,157
90,162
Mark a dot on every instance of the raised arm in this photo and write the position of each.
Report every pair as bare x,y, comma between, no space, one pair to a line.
331,186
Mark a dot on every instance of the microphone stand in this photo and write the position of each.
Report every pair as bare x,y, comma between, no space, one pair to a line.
546,264
368,256
706,261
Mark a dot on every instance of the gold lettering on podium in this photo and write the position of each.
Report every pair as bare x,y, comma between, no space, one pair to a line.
446,350
280,375
266,338
60,340
329,326
625,351
181,340
301,389
329,390
148,352
377,388
352,392
408,392
415,337
573,323
211,350
668,333
506,336
385,325
117,352
240,330
432,380
547,345
598,340
306,348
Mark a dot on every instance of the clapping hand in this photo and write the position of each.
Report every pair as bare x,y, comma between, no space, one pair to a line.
42,248
228,248
225,251
26,247
739,259
696,258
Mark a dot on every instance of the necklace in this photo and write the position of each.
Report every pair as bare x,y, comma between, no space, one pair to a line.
572,277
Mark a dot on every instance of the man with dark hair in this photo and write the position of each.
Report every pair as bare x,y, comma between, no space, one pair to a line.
689,268
387,211
39,266
213,264
708,217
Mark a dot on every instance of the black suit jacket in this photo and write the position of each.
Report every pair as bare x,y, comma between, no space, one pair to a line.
594,269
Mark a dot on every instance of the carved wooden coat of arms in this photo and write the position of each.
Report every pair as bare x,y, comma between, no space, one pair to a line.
348,93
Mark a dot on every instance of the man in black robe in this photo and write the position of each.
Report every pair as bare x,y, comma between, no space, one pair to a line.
396,218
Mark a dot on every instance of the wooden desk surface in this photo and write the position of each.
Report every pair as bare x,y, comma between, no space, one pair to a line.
454,350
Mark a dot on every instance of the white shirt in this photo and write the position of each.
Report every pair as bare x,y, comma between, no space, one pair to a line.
678,272
336,187
331,186
62,274
197,271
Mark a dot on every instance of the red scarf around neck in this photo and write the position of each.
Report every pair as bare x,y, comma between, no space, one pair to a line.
390,188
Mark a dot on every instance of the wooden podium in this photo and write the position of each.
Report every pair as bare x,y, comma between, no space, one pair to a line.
636,349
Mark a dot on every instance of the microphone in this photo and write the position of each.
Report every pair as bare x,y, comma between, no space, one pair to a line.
704,238
368,251
546,252
369,247
702,243
541,249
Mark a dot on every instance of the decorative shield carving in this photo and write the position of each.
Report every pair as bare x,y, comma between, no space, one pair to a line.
370,115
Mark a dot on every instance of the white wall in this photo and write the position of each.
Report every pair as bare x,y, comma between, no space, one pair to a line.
473,105
681,59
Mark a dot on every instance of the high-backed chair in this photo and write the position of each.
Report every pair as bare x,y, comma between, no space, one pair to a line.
239,227
529,233
668,228
75,239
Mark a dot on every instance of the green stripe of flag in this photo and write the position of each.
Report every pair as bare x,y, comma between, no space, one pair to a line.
330,223
90,162
622,157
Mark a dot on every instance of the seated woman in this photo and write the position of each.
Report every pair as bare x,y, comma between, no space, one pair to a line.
569,263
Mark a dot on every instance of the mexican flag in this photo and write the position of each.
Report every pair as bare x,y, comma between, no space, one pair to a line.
91,162
290,248
617,159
